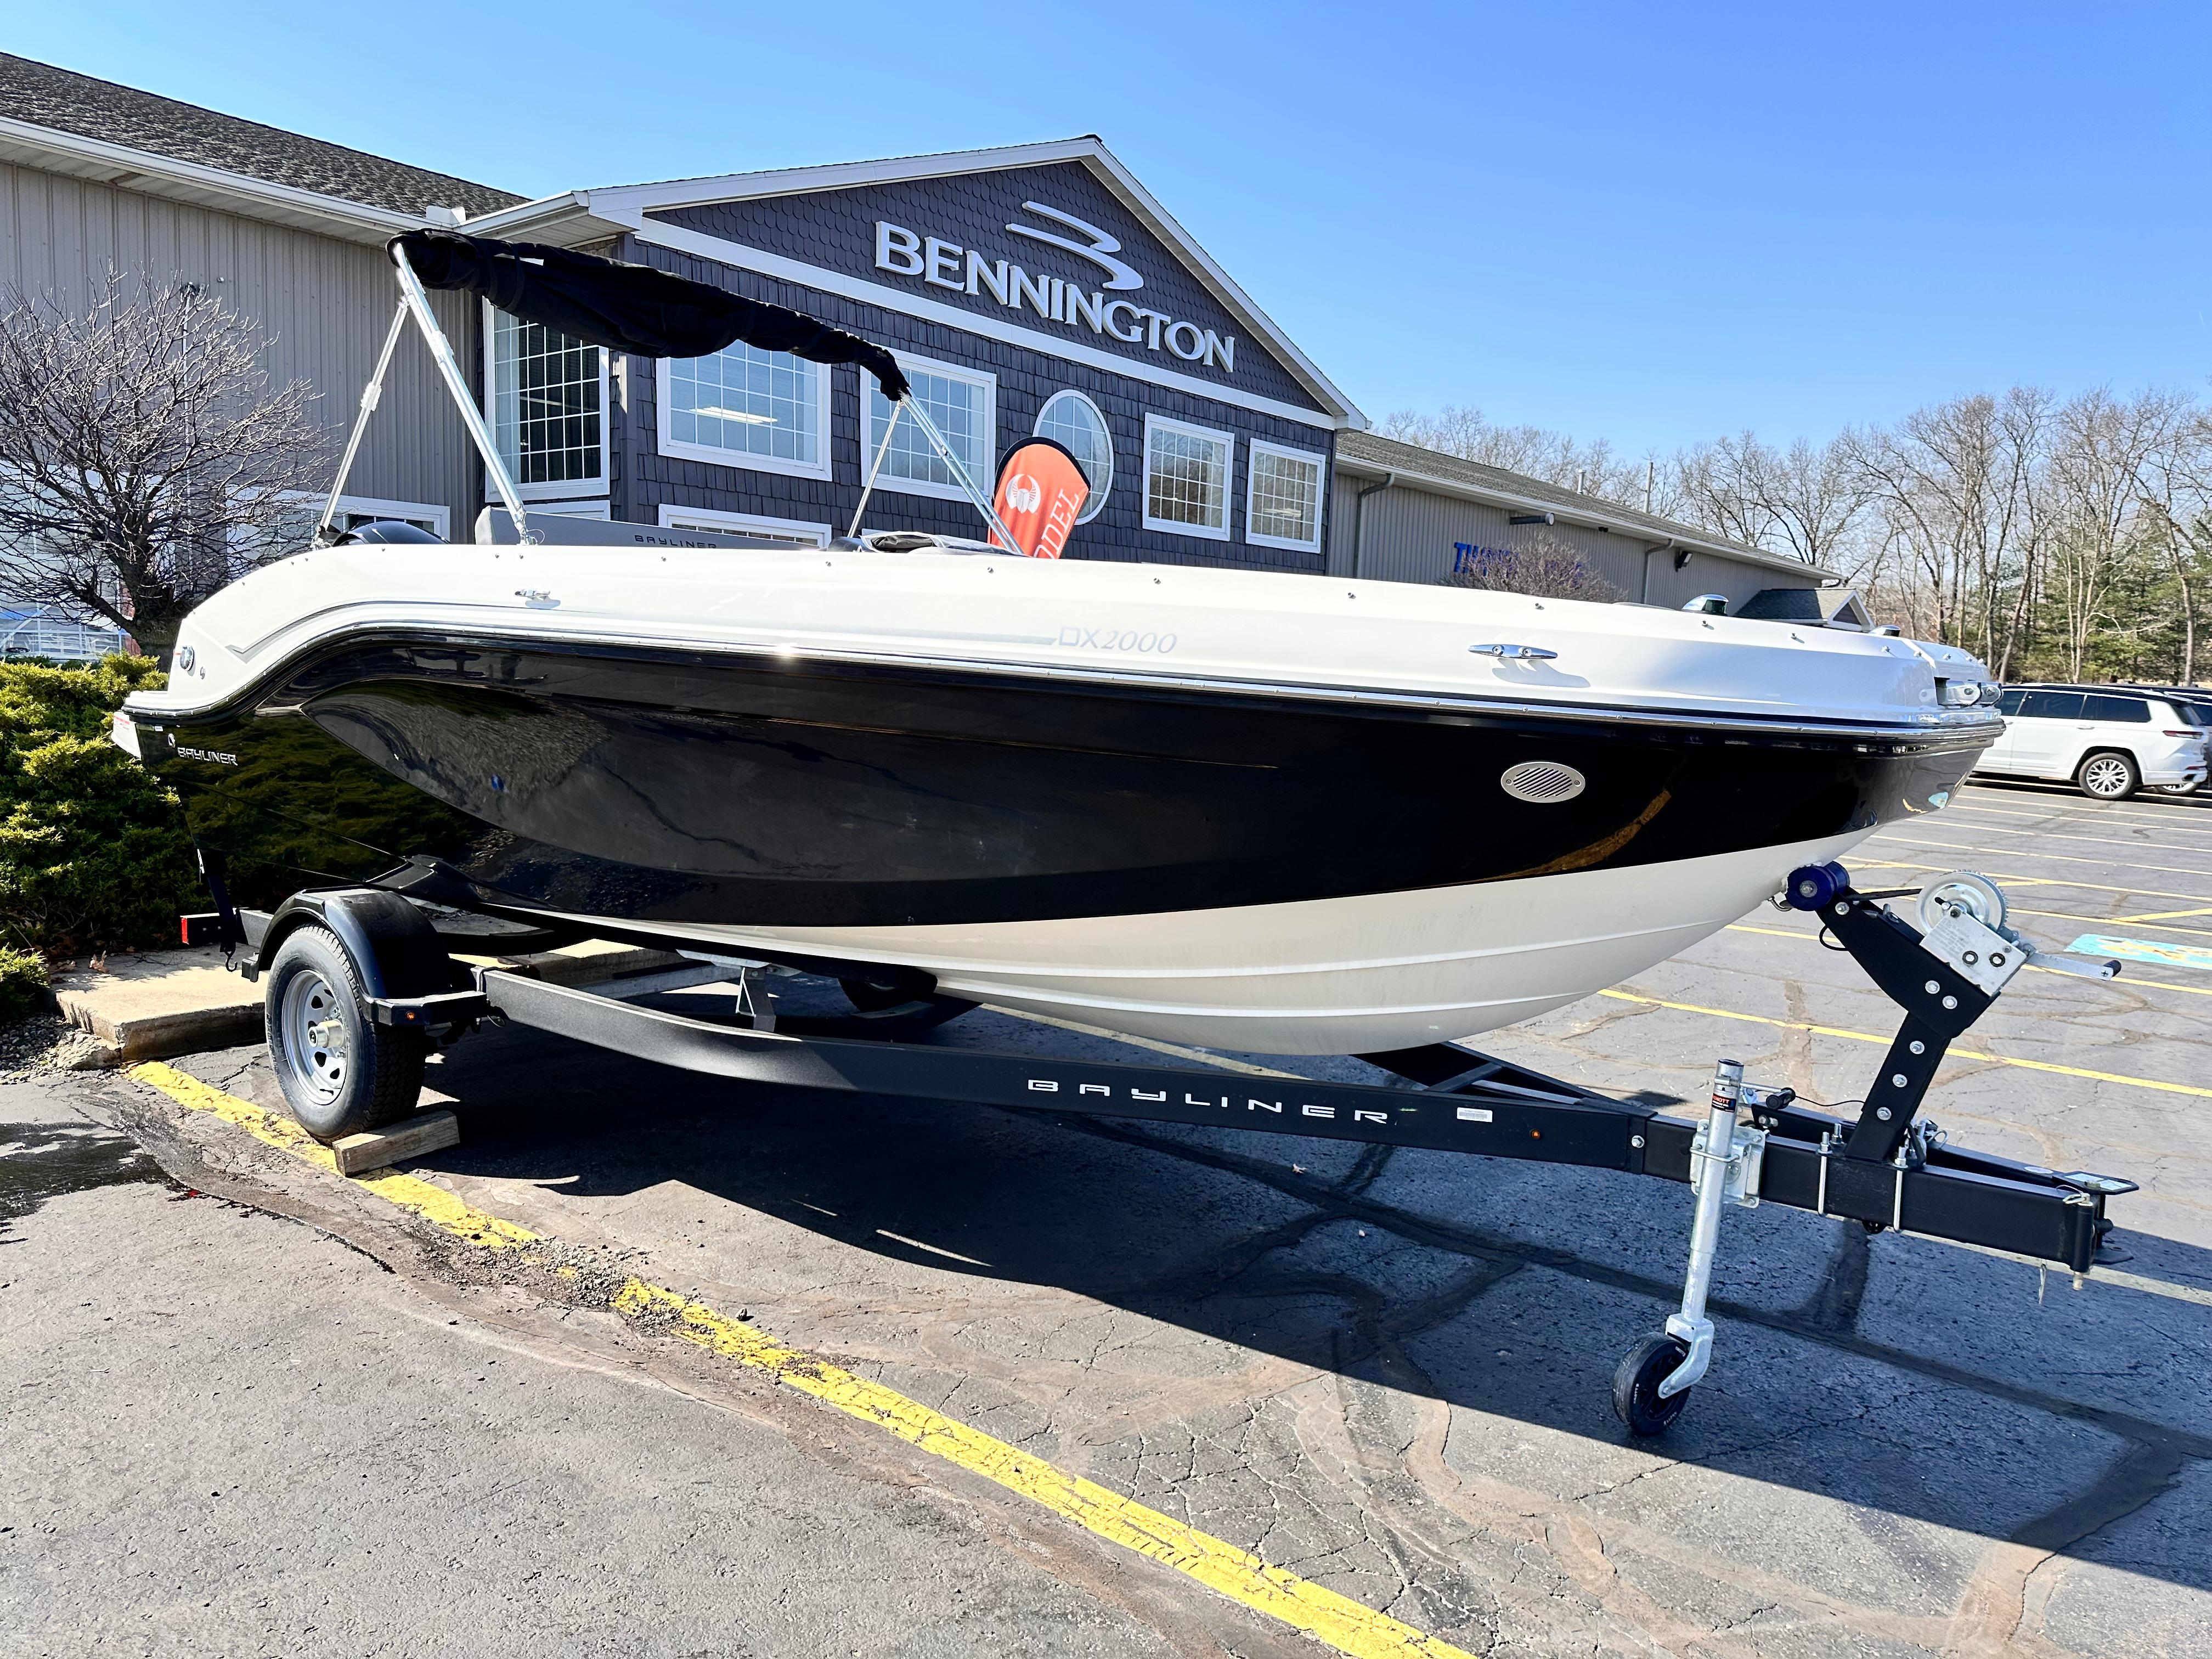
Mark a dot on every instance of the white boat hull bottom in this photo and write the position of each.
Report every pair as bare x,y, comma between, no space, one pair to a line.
1332,976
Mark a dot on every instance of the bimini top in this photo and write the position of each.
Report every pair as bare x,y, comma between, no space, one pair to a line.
629,307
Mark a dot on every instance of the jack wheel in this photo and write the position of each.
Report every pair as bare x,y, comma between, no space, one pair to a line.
1636,1385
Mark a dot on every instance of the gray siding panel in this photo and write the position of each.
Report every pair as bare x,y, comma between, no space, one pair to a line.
1412,535
322,306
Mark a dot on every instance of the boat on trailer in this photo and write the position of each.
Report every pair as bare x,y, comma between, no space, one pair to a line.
1259,811
1278,813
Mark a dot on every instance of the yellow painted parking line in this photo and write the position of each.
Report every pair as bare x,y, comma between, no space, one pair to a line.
2016,880
2068,915
2166,827
2048,857
1869,1037
2127,982
426,1199
1349,1626
2121,842
2082,811
2162,915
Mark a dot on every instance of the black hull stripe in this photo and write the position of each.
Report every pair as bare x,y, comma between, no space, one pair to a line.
778,791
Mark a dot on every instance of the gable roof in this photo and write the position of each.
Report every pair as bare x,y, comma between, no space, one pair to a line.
1371,454
59,119
589,215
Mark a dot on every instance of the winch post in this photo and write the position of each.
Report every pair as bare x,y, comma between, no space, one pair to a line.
1713,1165
1939,1005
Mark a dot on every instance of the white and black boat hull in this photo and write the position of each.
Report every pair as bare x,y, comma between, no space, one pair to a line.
1291,813
1257,867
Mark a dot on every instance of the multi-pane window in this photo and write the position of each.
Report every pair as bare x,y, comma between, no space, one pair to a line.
964,406
747,407
1187,478
1283,508
545,411
1072,421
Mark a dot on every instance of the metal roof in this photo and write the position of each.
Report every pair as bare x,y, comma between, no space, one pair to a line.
1370,454
61,101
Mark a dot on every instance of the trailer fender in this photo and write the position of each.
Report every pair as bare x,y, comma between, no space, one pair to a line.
393,946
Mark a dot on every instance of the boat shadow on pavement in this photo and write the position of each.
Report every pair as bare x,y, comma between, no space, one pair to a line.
1896,1374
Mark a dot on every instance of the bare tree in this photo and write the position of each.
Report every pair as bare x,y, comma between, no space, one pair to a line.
143,454
1803,501
2102,445
2175,486
1957,487
2050,537
1724,490
1546,567
1588,469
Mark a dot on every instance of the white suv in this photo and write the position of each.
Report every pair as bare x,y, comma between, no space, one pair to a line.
2110,742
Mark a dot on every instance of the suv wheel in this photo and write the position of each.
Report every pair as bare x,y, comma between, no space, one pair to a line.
2108,776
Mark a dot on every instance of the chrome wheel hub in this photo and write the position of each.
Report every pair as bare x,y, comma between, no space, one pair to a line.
316,1046
2107,774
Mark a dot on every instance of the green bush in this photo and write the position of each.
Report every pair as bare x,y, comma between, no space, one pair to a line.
22,982
93,850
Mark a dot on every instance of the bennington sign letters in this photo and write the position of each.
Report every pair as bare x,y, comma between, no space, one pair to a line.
904,253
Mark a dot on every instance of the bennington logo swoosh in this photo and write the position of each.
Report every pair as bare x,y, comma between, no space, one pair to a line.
1100,250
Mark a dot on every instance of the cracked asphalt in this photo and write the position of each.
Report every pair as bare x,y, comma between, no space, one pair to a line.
252,1409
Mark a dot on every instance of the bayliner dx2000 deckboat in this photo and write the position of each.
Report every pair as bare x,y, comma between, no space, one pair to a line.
1282,813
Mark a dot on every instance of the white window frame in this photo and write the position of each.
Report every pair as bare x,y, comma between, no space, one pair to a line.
870,437
801,532
593,507
1259,447
1097,503
561,489
375,507
745,461
1176,526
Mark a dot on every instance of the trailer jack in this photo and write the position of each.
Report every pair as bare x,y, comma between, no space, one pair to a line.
1944,979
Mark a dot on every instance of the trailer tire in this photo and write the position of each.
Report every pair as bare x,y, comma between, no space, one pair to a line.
1636,1385
341,1071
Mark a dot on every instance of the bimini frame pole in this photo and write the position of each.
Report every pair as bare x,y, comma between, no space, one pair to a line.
371,395
959,472
441,353
868,485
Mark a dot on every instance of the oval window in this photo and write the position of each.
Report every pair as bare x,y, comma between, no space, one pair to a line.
1072,421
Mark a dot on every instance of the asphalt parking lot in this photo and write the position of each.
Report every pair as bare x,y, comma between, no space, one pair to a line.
255,1408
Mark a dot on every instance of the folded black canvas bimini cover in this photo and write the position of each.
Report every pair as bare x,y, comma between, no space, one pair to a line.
626,308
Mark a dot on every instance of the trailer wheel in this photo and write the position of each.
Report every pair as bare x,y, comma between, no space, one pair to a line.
1636,1385
340,1071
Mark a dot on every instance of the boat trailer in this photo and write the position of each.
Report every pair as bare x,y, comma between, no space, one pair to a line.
1888,1169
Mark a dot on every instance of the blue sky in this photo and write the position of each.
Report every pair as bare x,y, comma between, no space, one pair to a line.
1649,224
